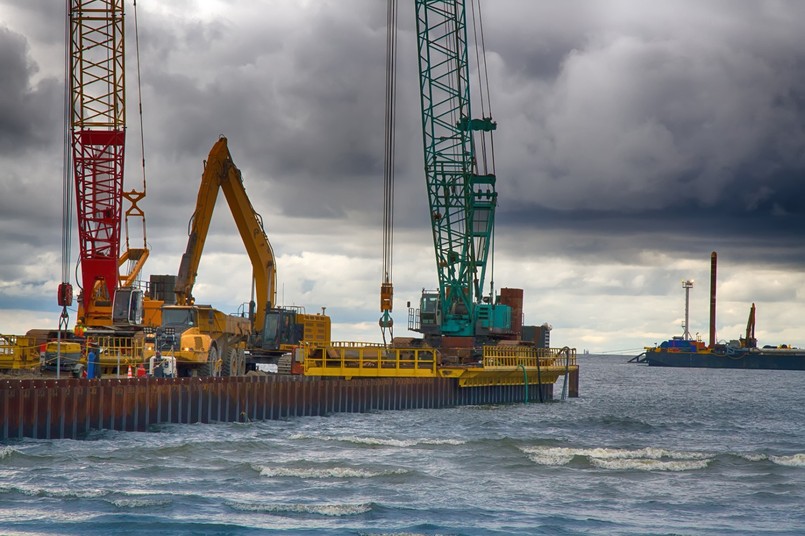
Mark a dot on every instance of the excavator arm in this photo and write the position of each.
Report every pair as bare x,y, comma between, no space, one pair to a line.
220,173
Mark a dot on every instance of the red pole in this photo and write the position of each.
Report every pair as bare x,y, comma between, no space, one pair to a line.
713,262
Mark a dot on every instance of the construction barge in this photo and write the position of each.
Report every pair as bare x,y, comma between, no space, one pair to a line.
72,408
141,355
742,353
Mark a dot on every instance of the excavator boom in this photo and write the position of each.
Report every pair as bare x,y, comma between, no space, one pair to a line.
220,173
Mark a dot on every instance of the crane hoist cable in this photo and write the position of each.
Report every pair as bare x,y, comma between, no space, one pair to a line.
386,288
67,187
488,163
487,160
136,256
134,196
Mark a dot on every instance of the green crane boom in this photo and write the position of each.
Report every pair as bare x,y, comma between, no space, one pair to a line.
462,202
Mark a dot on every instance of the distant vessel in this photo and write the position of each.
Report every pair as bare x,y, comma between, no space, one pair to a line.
681,353
741,354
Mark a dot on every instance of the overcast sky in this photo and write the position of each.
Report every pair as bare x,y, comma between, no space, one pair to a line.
634,138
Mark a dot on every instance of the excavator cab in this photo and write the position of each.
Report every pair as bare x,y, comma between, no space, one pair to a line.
281,330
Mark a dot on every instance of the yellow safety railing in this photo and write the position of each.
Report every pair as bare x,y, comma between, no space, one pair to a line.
527,356
370,360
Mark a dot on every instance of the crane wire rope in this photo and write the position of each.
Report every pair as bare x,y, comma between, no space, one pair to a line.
140,98
67,195
67,188
486,104
67,191
390,138
483,81
388,158
134,196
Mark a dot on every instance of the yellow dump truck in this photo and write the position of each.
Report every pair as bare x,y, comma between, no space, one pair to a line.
203,340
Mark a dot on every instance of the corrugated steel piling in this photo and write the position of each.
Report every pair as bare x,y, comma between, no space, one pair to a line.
72,407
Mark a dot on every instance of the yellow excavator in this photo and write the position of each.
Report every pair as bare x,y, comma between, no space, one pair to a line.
207,341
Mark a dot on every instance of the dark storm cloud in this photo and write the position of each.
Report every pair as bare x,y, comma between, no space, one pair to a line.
627,130
301,109
675,126
30,127
26,108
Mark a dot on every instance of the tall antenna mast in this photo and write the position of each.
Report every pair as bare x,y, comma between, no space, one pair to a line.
687,284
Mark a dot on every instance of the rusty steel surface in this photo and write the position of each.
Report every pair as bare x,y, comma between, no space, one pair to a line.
72,407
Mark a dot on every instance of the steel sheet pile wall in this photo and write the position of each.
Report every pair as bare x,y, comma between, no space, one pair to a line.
70,408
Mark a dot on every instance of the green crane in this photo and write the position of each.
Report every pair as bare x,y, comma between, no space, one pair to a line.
462,200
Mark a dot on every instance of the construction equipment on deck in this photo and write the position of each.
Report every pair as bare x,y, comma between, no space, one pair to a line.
97,138
460,178
268,332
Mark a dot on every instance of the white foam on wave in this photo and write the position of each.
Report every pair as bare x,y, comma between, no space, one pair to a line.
5,452
753,456
648,458
331,510
398,534
644,464
381,441
795,460
138,502
62,492
323,472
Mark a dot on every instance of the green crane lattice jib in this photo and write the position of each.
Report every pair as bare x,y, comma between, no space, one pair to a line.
462,203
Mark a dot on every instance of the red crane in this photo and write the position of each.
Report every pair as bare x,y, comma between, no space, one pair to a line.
97,113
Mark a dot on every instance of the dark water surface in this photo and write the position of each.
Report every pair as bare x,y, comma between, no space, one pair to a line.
642,451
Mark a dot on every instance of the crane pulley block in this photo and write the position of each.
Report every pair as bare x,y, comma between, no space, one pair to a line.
479,125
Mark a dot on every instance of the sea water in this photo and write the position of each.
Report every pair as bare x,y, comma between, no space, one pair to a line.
643,450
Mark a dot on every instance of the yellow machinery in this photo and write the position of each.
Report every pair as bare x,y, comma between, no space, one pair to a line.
210,341
109,299
19,352
500,365
203,340
66,356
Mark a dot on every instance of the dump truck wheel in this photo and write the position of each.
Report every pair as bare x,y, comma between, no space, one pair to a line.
241,362
213,365
230,363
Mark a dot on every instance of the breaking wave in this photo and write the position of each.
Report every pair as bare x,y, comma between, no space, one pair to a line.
330,472
138,502
795,460
61,493
645,459
386,442
330,510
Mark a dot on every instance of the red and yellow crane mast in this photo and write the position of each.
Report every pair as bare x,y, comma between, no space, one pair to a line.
97,114
98,123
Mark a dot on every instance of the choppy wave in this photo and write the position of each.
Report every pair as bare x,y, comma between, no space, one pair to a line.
386,442
792,460
648,464
331,510
5,452
61,493
401,534
645,459
795,460
138,502
324,472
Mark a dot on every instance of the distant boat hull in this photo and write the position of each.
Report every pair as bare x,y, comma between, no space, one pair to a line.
755,358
